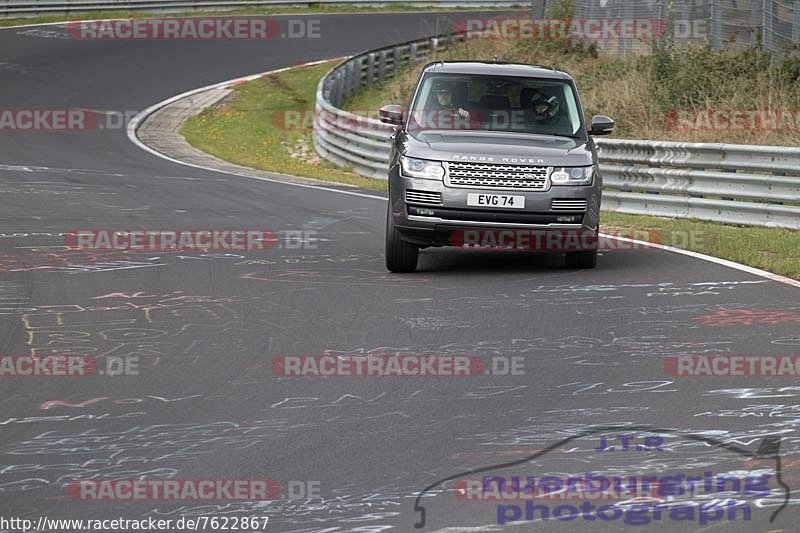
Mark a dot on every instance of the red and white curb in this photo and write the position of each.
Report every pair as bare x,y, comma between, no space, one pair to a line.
137,121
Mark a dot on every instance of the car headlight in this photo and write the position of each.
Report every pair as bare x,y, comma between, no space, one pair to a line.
572,175
421,168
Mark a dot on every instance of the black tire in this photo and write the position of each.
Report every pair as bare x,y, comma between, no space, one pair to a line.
401,256
581,259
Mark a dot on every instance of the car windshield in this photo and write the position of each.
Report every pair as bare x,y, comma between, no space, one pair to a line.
495,103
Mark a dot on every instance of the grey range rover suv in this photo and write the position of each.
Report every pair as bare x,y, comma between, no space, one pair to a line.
495,155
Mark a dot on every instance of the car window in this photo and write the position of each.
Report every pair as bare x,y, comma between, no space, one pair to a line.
495,103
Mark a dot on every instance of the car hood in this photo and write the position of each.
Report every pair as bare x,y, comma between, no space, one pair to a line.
502,148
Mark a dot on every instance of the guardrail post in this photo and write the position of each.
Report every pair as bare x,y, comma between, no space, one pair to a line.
341,91
348,80
398,58
370,69
434,43
382,65
326,88
336,88
357,72
412,52
344,87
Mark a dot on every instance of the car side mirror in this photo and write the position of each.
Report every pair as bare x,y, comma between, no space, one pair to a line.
602,125
391,114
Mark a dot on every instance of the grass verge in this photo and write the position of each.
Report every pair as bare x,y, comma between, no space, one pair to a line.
772,249
248,128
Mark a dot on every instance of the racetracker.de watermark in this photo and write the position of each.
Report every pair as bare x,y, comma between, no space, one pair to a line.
392,366
189,240
63,120
174,489
191,489
582,29
733,366
571,240
733,120
444,118
369,120
193,29
553,28
12,366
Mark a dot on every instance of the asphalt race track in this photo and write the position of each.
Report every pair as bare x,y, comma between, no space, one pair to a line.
350,454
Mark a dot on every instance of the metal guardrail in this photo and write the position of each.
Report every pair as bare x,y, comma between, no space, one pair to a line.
732,183
355,141
31,8
754,185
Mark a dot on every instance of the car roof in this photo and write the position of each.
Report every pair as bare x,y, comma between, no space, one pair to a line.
497,69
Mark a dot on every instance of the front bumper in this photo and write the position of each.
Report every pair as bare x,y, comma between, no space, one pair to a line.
433,224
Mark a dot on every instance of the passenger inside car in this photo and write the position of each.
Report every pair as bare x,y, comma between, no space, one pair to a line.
543,110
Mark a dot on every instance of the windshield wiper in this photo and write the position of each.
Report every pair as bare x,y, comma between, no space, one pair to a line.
559,135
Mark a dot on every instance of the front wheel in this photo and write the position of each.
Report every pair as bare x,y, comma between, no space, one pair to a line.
582,259
401,256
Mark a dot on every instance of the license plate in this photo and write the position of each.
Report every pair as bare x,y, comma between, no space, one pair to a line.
504,201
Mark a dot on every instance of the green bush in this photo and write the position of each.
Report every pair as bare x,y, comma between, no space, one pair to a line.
700,76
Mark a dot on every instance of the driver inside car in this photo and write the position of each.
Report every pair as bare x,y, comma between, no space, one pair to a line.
444,101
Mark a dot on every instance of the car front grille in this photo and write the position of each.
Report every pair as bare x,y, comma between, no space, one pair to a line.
494,176
568,204
423,197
